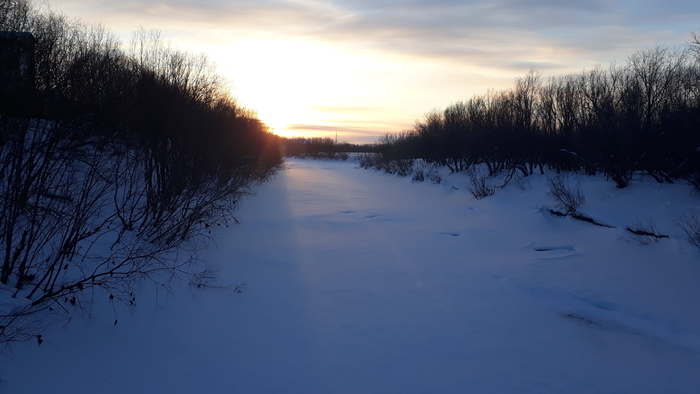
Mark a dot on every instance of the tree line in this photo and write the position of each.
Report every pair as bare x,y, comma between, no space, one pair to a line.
641,116
114,169
322,148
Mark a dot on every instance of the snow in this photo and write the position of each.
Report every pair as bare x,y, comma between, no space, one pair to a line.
362,282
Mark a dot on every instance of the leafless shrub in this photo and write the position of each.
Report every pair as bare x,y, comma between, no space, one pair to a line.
144,153
522,183
419,174
369,160
568,197
694,180
690,223
85,215
643,233
481,186
400,167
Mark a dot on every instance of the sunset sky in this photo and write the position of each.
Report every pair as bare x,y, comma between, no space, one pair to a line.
363,68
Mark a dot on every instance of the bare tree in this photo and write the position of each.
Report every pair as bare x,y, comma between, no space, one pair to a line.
15,15
122,178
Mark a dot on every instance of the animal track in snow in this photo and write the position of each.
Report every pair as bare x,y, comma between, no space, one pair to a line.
551,248
604,305
556,252
600,314
605,315
357,215
582,320
453,234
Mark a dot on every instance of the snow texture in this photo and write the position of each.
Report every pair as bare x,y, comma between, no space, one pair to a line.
362,282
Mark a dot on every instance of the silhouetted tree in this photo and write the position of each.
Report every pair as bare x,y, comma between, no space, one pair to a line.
640,116
120,178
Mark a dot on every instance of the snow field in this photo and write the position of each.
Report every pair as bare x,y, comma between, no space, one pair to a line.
362,282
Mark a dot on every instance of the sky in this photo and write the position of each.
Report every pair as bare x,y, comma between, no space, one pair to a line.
359,69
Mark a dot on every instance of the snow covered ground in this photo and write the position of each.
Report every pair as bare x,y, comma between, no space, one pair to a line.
362,282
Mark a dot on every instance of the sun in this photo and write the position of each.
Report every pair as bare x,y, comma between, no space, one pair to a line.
285,81
277,117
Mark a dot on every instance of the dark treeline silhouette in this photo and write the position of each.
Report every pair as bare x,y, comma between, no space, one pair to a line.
322,148
113,168
640,116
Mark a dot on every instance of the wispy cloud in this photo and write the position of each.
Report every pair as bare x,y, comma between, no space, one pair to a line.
314,127
348,133
503,33
346,109
430,52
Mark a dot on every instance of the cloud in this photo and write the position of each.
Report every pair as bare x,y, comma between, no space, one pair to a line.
504,33
348,133
407,55
346,109
500,33
345,126
313,127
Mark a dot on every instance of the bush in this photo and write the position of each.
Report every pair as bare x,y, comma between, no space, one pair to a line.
144,152
481,185
643,233
369,160
694,180
401,167
419,174
568,197
435,177
690,223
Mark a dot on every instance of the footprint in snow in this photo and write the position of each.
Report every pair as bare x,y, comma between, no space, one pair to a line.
452,234
552,248
604,315
600,314
584,321
556,252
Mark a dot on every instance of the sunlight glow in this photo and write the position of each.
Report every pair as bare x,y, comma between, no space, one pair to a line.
279,78
303,87
315,67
